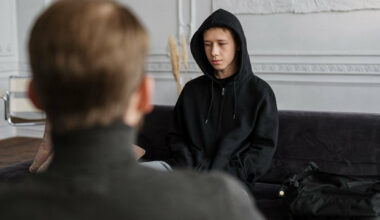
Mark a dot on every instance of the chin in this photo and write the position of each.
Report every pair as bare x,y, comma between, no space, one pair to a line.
218,68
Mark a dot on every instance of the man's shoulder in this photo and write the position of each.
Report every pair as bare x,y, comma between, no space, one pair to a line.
28,187
184,180
24,199
223,195
231,195
185,193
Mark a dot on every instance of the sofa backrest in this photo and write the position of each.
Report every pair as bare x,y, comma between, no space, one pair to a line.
347,143
153,133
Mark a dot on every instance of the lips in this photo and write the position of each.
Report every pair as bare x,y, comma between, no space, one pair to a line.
216,61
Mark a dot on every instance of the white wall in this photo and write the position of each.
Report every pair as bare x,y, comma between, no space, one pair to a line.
8,54
163,18
16,18
319,61
27,11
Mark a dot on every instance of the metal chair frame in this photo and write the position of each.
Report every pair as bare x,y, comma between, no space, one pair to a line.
16,121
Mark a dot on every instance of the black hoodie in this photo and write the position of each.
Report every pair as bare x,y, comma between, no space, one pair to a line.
229,124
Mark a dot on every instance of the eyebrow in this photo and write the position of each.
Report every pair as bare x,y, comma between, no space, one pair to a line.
221,40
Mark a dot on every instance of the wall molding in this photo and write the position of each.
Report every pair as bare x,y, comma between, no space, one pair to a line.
287,6
13,68
262,67
8,66
258,53
281,72
303,80
23,68
288,68
330,53
300,79
292,73
318,68
7,69
186,28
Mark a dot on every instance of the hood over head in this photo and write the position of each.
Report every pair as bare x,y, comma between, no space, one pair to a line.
225,19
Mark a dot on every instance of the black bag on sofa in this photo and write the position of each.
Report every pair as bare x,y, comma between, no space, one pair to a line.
317,193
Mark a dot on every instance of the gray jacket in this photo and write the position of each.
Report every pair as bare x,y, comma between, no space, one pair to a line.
95,176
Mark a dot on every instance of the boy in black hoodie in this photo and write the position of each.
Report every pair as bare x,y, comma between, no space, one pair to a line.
226,119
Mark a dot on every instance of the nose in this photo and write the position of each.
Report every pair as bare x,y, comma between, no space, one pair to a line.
214,50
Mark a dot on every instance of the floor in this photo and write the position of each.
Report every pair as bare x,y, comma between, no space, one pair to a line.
17,149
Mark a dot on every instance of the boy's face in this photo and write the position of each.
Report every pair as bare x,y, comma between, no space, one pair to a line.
220,48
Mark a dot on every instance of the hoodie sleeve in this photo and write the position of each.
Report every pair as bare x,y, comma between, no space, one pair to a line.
180,155
257,158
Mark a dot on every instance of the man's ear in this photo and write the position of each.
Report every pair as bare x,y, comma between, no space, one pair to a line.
33,95
140,102
146,94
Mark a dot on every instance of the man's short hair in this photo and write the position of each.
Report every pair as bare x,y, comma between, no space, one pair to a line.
87,58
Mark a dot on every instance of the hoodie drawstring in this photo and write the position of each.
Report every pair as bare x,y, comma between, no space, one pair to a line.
235,100
212,99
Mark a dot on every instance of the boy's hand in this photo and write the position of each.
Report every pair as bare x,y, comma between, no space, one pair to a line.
139,152
44,154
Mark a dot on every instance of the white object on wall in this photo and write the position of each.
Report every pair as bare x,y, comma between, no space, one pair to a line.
293,6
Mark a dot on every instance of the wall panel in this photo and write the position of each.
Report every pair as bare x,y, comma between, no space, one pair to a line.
335,53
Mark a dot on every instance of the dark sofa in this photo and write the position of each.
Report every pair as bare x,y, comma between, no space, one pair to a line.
347,143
